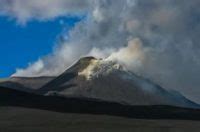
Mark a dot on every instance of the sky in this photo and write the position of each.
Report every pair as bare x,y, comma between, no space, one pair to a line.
23,44
156,39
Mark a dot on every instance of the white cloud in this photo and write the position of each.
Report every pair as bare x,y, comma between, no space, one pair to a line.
98,15
132,56
170,29
25,10
35,68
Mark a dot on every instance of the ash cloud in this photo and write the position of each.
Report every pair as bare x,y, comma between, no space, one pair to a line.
132,56
167,34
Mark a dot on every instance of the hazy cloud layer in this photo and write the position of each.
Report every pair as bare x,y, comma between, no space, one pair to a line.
25,10
165,34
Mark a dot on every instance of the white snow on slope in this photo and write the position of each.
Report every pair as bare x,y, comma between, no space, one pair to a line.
100,67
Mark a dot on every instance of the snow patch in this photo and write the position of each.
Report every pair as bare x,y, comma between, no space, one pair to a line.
99,67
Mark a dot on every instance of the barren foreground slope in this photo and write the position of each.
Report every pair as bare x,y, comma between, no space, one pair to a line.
14,119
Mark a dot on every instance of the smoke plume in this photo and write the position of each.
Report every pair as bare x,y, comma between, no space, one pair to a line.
156,39
132,56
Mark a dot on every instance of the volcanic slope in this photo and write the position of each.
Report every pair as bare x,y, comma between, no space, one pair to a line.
109,81
28,84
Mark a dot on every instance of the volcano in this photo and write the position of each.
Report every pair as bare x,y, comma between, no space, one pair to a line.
98,86
109,81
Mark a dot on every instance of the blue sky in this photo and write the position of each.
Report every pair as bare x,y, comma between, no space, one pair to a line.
21,44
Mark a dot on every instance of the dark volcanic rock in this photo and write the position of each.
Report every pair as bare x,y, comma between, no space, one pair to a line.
15,98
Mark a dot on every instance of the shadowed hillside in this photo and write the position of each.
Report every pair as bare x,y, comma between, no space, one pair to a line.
9,97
